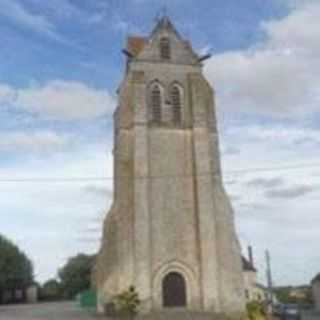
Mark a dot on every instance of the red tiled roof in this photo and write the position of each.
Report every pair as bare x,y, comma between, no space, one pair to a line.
135,45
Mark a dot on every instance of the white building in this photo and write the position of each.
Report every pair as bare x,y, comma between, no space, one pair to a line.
253,290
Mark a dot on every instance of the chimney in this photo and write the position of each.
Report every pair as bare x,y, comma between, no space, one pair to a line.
250,253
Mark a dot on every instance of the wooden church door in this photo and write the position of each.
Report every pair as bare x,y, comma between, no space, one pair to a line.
174,290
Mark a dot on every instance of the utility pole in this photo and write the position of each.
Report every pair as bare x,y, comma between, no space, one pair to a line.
269,281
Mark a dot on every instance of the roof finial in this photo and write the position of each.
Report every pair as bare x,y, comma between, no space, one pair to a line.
162,14
164,11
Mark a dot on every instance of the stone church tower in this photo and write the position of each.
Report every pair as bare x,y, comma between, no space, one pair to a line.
170,231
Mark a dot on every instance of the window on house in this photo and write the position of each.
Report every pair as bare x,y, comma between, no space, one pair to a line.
156,102
176,103
165,50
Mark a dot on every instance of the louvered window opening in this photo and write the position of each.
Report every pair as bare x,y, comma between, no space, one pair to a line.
156,104
176,104
165,50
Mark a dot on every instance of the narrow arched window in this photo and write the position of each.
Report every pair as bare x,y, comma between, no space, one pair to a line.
176,103
156,102
165,50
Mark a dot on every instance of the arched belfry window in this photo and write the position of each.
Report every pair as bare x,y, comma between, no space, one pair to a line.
156,103
165,50
176,99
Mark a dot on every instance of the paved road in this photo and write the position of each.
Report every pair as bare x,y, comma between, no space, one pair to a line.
310,315
45,311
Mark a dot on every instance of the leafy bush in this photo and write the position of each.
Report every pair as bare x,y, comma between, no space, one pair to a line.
127,302
255,311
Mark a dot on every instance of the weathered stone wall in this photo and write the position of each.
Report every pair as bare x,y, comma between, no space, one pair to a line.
173,212
170,210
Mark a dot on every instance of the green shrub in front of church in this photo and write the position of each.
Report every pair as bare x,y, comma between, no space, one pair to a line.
127,302
255,311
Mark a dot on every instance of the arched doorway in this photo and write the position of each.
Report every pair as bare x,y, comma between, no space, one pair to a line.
174,290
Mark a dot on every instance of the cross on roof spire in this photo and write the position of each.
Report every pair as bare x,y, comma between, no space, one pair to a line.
162,14
164,11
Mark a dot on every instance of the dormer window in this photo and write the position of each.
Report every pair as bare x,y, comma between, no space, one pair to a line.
165,50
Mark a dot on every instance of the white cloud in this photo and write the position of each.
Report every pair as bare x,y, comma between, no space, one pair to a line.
290,192
62,8
99,191
7,94
97,18
274,205
284,135
299,3
22,17
38,141
60,100
297,32
278,77
55,215
266,182
120,25
230,150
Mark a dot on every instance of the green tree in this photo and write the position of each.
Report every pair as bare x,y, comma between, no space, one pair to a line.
75,276
51,290
16,270
286,295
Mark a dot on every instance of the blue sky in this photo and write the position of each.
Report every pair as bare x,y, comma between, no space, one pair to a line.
60,65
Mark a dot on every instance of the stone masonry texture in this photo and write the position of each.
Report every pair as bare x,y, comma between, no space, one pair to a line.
170,211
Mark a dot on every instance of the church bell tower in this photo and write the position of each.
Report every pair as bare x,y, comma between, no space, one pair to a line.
170,232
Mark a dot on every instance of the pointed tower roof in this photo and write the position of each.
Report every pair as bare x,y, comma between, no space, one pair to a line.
165,23
147,49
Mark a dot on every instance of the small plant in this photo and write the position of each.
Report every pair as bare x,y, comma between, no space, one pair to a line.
127,302
255,311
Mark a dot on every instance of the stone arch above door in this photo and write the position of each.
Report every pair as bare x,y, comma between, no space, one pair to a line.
192,285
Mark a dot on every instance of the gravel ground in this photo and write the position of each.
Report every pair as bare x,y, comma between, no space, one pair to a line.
45,311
